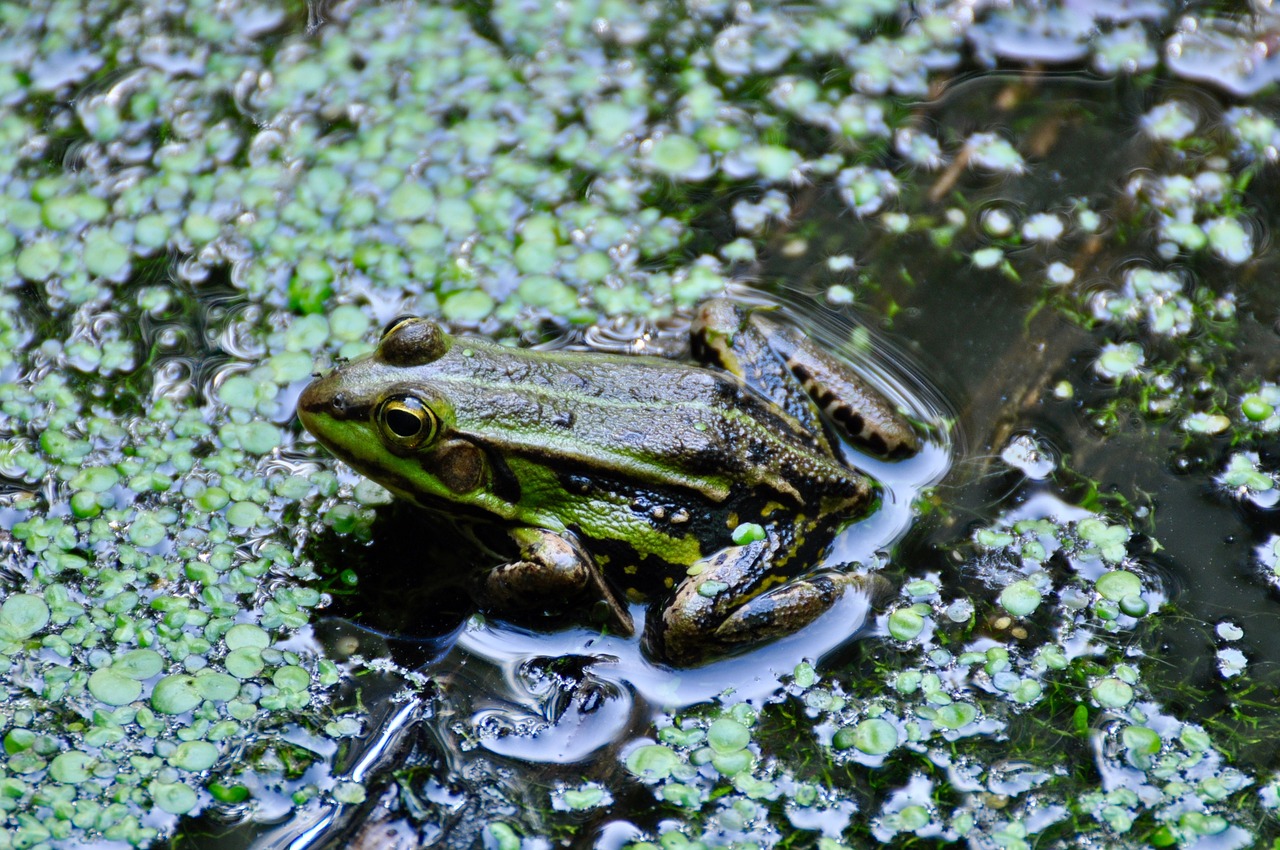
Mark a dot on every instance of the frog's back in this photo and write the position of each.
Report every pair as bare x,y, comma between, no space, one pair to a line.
643,419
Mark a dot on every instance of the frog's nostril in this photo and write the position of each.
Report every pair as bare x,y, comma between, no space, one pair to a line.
339,403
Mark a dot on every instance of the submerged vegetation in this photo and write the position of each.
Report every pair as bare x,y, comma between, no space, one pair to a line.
199,199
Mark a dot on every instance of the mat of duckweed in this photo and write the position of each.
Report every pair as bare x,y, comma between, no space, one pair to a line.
1048,229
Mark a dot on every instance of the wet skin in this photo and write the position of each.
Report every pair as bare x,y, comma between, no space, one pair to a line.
624,477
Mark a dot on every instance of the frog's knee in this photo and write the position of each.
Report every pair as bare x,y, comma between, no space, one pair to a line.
684,631
719,315
524,584
714,334
553,571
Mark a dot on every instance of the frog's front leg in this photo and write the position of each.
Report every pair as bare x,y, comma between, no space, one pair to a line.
552,568
773,358
714,609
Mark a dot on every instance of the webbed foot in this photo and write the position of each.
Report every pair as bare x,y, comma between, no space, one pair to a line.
721,607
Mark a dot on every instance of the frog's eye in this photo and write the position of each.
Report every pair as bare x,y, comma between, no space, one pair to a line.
395,323
407,422
411,341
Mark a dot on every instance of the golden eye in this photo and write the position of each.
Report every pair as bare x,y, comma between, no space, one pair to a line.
407,422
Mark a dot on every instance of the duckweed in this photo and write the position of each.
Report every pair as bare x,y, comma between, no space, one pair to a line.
1020,598
1116,585
906,623
175,694
652,762
873,736
173,797
194,756
185,234
22,615
114,687
1112,693
727,736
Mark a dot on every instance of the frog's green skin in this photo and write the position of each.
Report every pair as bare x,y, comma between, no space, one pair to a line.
637,465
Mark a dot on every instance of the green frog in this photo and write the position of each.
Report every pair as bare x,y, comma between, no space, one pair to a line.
618,478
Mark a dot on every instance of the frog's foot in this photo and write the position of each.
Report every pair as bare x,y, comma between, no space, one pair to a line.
553,569
762,352
714,611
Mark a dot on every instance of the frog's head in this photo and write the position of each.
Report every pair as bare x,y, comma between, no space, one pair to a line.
386,415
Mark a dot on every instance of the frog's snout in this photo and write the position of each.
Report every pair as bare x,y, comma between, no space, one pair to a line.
322,398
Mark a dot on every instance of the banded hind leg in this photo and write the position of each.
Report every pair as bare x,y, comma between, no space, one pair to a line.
781,363
725,604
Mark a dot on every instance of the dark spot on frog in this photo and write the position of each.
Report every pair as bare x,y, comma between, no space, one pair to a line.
852,421
877,445
577,483
562,419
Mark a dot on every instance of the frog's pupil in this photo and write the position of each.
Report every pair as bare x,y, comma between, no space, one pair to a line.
403,423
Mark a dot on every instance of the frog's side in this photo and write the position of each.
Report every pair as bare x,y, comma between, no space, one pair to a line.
637,466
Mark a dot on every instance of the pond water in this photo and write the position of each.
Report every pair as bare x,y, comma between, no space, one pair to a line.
1044,230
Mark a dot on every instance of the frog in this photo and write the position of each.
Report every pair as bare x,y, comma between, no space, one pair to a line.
707,490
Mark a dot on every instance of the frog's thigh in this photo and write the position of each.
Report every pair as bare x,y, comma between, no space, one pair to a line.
552,568
714,610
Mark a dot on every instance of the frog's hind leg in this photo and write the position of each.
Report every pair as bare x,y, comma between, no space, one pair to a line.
553,569
761,352
723,335
714,610
793,606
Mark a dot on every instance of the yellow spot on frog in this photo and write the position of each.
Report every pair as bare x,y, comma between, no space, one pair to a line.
769,508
